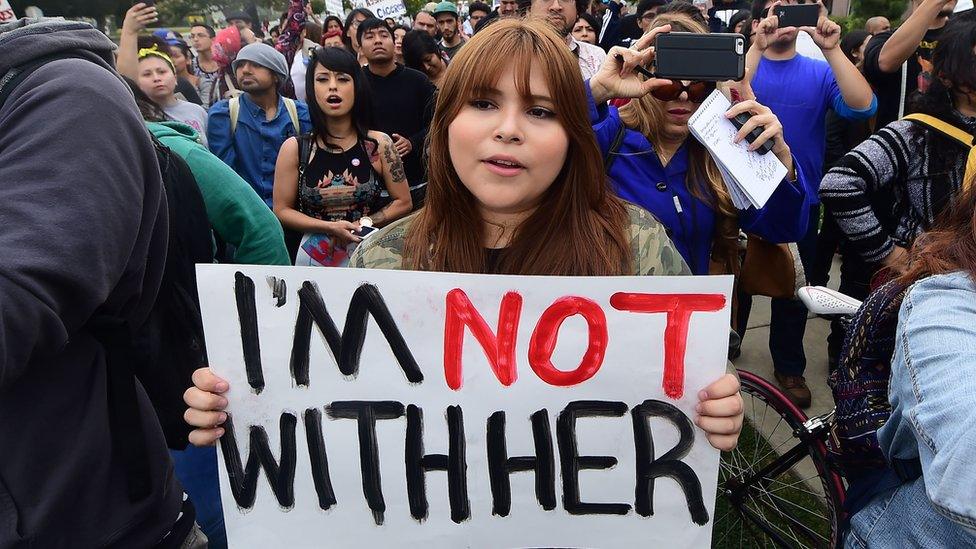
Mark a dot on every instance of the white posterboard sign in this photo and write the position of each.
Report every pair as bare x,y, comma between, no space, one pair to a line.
373,408
334,7
6,11
384,8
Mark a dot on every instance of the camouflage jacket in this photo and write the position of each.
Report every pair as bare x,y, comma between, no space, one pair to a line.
654,254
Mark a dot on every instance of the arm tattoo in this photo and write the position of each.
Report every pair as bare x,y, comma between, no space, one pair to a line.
393,162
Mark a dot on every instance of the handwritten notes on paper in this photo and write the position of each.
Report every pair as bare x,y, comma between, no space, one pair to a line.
750,177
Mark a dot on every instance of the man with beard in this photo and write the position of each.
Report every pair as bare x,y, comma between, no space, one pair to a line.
508,8
562,15
247,131
898,63
424,20
403,101
799,90
446,15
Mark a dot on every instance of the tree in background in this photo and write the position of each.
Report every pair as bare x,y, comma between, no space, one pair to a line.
862,10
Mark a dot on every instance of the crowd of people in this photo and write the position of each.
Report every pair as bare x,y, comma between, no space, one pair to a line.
519,139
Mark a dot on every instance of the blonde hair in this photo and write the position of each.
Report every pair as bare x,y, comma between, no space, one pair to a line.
580,226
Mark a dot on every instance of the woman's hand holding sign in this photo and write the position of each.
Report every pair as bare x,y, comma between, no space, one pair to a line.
206,404
720,410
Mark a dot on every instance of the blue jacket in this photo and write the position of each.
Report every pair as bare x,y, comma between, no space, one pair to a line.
932,389
638,176
253,149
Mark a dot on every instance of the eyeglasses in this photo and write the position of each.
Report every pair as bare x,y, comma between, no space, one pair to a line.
697,91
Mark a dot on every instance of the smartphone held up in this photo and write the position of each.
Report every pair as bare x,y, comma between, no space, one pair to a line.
713,57
797,15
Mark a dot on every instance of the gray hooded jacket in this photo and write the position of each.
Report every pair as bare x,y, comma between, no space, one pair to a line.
82,232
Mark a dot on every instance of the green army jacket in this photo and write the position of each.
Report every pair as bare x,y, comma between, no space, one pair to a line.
654,253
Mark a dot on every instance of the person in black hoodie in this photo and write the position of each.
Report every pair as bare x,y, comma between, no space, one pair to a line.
403,101
83,239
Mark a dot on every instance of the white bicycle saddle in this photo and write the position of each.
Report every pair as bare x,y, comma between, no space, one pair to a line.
824,301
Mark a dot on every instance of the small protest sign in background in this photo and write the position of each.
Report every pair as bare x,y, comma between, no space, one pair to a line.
384,8
376,408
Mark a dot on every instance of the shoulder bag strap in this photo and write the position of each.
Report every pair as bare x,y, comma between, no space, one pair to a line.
611,155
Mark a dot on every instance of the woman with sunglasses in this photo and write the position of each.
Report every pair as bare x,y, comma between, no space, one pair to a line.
659,166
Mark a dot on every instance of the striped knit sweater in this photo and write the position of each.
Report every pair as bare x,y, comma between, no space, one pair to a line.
890,188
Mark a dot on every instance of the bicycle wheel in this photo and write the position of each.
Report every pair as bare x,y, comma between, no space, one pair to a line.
775,487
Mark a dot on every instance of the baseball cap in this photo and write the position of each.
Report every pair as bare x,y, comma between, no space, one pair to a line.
171,37
446,7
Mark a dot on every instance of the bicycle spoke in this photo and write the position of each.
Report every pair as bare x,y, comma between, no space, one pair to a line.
800,507
773,524
791,519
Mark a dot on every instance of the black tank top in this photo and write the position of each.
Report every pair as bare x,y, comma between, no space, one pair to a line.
341,186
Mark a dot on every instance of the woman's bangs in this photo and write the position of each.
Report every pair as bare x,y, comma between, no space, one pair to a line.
480,70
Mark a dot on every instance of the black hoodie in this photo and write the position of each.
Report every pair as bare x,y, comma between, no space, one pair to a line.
82,232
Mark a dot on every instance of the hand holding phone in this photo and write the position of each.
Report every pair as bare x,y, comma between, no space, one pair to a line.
797,15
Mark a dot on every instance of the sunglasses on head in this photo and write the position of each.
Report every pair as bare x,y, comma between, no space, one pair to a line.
697,91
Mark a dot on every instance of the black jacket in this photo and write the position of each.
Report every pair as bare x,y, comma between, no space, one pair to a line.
83,232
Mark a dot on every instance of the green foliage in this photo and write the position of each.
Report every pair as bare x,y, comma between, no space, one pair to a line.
318,6
174,12
413,6
865,9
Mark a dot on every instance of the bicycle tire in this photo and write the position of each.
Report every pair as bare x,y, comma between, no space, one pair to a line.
751,509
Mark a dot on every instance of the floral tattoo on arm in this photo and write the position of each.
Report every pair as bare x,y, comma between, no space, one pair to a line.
393,162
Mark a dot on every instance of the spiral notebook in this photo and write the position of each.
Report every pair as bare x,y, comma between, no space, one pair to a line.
749,176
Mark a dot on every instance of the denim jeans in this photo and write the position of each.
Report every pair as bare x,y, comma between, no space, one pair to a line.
197,470
932,391
788,320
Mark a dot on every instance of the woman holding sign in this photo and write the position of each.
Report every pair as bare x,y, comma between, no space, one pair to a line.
654,162
516,187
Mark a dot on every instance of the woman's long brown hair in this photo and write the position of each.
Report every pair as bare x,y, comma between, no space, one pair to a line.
704,180
579,228
951,243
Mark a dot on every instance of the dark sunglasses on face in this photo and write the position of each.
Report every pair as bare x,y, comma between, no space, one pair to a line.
697,91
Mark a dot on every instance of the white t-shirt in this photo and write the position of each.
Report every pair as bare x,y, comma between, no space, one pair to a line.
190,114
590,57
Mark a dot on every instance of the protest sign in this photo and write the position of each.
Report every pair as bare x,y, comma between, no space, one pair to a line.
373,408
384,8
6,11
334,7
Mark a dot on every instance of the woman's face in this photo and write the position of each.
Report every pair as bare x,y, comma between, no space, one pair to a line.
434,65
676,114
181,62
333,25
157,79
506,150
334,91
398,35
583,32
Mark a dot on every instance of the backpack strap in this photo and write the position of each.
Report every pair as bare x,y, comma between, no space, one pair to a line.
234,109
618,140
963,137
292,113
18,74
